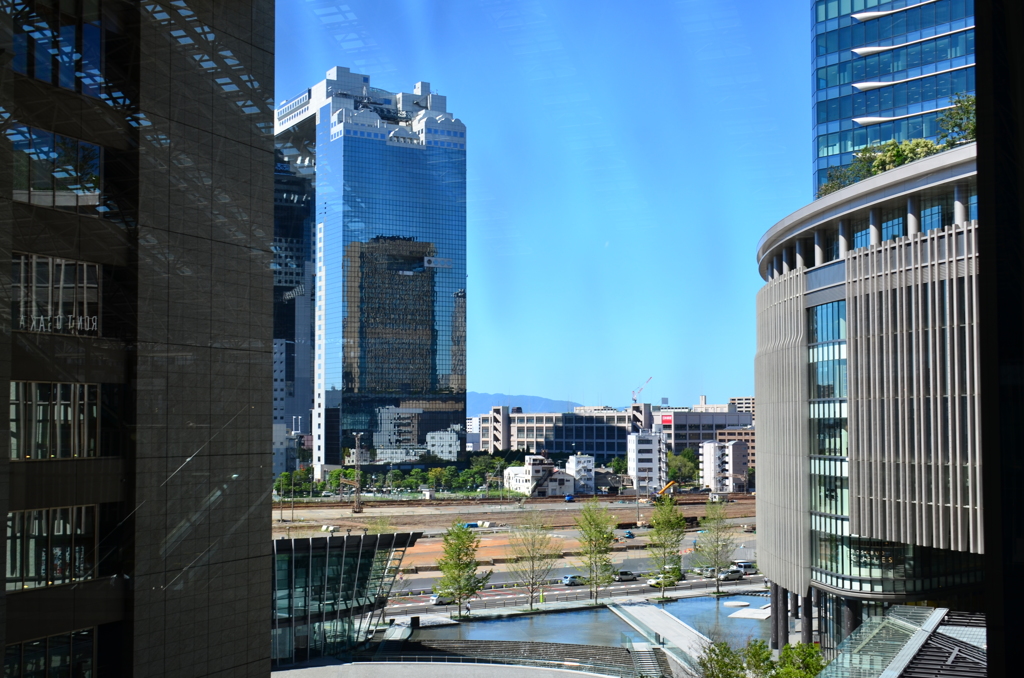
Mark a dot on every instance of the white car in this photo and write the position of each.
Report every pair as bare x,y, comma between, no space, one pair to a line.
440,599
661,580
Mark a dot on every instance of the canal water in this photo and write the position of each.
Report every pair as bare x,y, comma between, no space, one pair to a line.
710,616
583,627
602,627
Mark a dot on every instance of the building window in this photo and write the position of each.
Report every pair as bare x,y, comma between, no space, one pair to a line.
61,48
53,170
58,296
49,547
67,654
54,421
892,224
936,212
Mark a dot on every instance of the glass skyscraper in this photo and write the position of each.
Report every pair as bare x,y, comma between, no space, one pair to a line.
885,71
389,245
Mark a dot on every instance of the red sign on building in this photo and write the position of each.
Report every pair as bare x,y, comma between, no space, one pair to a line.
666,420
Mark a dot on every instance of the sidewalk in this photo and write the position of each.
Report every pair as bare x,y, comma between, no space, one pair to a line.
568,605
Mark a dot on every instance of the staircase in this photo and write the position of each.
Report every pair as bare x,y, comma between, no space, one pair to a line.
645,661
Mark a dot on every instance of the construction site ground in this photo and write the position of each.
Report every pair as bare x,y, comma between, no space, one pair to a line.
432,518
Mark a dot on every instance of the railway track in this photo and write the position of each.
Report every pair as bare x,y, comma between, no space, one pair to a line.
698,500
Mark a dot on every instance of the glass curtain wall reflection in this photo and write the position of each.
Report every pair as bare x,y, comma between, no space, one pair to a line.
885,71
390,252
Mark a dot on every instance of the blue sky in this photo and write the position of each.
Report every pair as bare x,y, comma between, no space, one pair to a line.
624,158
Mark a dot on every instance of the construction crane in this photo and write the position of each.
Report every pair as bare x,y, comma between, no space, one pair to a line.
662,490
636,393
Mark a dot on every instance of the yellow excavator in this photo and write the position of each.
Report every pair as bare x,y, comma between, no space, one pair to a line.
664,489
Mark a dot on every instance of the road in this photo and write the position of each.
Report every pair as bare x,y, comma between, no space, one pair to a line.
517,597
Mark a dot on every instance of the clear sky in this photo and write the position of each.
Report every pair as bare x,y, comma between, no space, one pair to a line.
623,160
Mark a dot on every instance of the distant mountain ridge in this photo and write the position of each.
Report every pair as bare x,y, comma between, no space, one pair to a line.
481,403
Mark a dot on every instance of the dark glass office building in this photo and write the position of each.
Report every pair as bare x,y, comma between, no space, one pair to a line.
883,71
389,243
136,164
330,592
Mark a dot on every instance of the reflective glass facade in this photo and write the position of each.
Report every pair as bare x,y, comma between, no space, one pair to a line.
330,593
389,242
884,71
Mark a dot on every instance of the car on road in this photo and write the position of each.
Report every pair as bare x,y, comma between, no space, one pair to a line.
709,572
573,580
624,575
730,575
745,566
441,599
661,580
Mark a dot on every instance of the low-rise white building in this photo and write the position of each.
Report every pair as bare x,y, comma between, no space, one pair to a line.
581,468
723,466
539,477
647,461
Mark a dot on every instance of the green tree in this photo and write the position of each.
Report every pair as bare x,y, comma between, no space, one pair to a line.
450,476
841,177
619,465
716,542
334,479
435,477
959,124
680,467
802,660
892,154
459,579
596,526
668,526
283,484
532,553
757,657
719,660
751,478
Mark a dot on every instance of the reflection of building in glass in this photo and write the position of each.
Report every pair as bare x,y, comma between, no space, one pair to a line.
329,593
135,217
866,380
885,72
389,330
390,252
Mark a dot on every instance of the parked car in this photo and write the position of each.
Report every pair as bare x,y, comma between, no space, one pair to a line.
661,580
569,499
730,575
573,580
709,572
629,535
440,599
624,575
745,566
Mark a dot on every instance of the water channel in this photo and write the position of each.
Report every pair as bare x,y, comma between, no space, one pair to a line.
603,627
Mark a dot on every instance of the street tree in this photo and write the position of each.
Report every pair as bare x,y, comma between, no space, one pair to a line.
716,541
618,465
801,660
459,578
532,553
757,657
596,526
720,660
668,527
